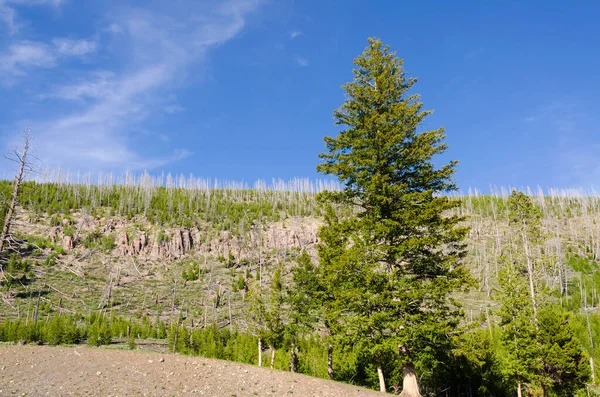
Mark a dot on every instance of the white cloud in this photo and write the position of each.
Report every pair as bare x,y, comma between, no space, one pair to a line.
25,54
8,17
97,85
114,28
294,34
302,62
157,46
8,14
175,108
69,47
53,3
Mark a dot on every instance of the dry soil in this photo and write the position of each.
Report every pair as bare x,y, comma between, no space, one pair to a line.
83,371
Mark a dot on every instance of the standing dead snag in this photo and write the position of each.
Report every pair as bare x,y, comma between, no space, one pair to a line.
24,168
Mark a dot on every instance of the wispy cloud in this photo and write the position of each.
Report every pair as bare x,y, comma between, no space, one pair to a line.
295,34
159,42
77,48
97,85
8,18
8,14
175,108
23,56
54,3
302,62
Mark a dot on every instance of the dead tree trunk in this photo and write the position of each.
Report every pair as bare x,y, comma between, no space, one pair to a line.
410,385
382,387
259,352
293,355
531,280
273,350
330,360
24,168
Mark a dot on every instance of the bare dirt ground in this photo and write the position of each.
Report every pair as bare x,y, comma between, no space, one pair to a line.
83,371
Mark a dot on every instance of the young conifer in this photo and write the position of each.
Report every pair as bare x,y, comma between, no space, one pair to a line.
401,256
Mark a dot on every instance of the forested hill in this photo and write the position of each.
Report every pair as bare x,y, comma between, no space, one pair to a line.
150,256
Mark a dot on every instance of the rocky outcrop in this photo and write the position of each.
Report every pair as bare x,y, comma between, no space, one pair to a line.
174,243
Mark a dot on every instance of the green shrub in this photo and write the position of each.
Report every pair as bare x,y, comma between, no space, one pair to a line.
92,240
230,261
99,333
239,284
69,231
108,242
191,272
50,260
131,341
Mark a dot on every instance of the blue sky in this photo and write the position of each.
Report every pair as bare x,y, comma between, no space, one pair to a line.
245,89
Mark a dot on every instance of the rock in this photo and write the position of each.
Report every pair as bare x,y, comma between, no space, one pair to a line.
162,360
98,373
86,223
187,240
136,246
53,234
67,243
177,244
122,241
150,361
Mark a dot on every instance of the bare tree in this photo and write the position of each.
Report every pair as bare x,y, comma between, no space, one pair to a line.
24,168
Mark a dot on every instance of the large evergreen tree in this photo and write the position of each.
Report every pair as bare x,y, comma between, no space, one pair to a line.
402,249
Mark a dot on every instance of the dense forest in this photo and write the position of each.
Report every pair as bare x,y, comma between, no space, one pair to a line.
383,276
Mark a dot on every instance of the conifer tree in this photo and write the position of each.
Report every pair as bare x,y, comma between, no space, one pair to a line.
275,326
540,347
313,301
303,307
518,336
400,257
525,219
564,367
256,316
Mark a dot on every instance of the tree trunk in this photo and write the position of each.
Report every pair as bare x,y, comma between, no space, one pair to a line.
519,389
272,357
531,283
293,355
382,387
175,338
330,361
23,168
591,335
259,352
37,309
410,384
